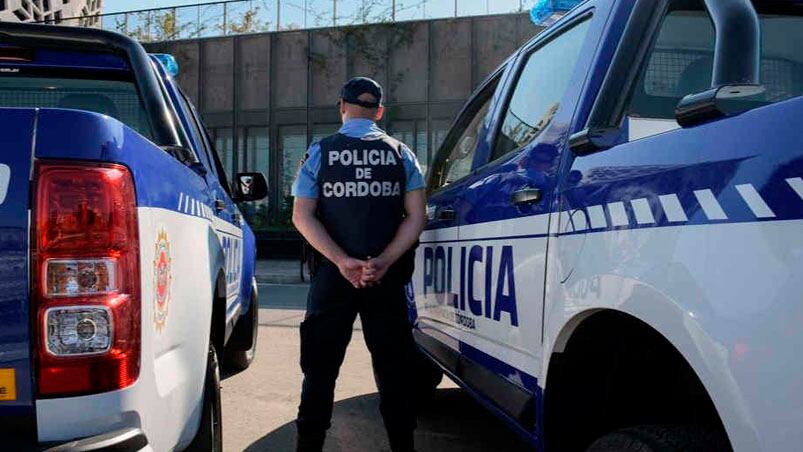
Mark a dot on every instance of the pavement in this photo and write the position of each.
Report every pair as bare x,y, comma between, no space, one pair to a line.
259,404
279,272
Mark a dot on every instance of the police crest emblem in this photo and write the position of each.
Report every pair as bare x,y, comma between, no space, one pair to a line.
162,276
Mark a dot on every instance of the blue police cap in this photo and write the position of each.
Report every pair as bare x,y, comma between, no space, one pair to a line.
358,86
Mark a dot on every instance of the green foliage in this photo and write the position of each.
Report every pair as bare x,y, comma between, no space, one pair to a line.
247,22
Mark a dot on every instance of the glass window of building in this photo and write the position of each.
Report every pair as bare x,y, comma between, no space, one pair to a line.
224,145
292,147
414,135
440,128
321,131
422,146
255,147
403,131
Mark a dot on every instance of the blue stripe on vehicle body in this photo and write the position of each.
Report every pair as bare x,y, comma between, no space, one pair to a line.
534,437
485,239
698,207
499,367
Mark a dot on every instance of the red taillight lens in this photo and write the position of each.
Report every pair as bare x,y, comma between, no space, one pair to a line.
86,278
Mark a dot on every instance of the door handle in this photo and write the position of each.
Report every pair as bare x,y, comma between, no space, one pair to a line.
446,214
527,196
220,205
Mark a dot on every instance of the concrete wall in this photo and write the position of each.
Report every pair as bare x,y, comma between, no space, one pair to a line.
278,90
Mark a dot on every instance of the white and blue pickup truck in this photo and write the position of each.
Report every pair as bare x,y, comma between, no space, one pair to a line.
615,240
126,265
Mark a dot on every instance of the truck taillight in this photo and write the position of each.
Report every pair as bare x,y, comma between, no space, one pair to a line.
85,265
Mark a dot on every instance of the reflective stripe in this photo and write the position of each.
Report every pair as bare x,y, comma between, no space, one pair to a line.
755,201
618,214
672,208
710,205
642,210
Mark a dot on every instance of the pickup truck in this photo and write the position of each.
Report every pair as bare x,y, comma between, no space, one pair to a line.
127,267
613,254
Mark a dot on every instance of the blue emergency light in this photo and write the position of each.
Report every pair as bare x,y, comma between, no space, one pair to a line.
168,61
546,12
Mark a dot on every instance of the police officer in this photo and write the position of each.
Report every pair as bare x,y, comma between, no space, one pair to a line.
359,201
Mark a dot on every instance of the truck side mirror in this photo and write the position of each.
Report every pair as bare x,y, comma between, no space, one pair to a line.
250,187
737,59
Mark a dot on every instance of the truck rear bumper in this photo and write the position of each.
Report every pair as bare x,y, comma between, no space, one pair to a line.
128,439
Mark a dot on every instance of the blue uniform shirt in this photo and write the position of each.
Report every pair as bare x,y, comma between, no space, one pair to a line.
306,184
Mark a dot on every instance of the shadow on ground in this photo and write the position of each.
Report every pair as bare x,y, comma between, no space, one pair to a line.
453,422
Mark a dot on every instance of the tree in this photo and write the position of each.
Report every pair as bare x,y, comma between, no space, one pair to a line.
248,22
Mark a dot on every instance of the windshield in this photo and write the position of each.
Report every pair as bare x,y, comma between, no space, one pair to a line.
118,99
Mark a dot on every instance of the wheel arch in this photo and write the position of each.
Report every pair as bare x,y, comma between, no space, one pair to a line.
596,328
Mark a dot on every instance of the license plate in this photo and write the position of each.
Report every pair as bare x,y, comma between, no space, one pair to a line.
8,385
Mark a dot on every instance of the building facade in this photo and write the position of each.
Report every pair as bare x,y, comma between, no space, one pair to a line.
83,13
265,97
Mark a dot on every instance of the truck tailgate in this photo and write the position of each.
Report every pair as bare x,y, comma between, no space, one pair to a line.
17,416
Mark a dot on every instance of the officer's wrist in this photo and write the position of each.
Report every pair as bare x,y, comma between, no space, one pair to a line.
338,259
388,257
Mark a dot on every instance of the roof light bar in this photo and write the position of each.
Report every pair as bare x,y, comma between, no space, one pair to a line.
168,61
547,12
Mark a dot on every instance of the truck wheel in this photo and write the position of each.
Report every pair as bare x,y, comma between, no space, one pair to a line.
210,433
661,438
236,358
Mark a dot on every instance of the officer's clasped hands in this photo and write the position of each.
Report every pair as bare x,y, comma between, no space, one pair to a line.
363,273
374,270
352,269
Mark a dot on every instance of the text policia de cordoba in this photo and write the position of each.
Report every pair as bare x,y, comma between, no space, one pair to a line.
362,185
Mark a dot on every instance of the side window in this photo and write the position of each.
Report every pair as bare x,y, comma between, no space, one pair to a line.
183,138
219,169
203,134
456,157
539,90
195,127
682,59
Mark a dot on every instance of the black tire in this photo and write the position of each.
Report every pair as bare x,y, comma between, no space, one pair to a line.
662,438
210,433
242,347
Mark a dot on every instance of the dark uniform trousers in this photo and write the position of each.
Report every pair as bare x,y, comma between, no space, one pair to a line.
332,308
